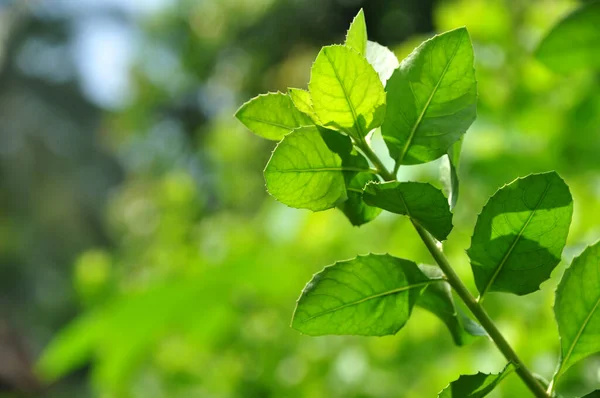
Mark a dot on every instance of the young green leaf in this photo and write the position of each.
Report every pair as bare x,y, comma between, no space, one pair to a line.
370,295
355,209
303,102
422,202
356,38
520,234
346,91
431,99
573,43
577,308
271,116
382,59
304,173
475,386
437,298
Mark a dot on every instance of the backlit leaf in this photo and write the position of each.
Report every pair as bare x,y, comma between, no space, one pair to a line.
520,234
272,116
422,202
370,295
577,308
431,99
384,61
303,102
356,38
573,43
305,173
346,91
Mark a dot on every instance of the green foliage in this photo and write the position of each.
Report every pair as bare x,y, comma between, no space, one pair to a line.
346,91
573,43
271,116
437,298
431,99
370,295
520,234
303,102
383,60
594,394
421,202
356,38
451,180
475,386
577,308
355,208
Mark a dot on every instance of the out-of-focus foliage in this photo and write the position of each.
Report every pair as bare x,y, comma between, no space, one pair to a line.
142,218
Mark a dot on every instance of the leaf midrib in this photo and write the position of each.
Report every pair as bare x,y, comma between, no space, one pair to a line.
422,115
514,244
580,332
365,299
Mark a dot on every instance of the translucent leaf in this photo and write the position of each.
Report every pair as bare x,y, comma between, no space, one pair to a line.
356,38
370,295
573,43
383,60
346,91
271,116
422,202
520,234
303,102
577,308
475,386
431,99
437,299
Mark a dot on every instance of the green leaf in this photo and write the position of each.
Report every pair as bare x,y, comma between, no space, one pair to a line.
303,102
355,209
356,38
437,298
346,91
420,201
573,43
370,295
475,386
593,394
431,99
271,116
577,308
305,173
520,234
450,178
382,59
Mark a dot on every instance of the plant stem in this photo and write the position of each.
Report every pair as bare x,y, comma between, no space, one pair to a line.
461,290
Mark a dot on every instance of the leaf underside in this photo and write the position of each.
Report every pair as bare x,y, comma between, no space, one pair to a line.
520,234
422,202
370,295
577,308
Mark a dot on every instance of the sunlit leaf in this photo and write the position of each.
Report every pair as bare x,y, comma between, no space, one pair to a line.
475,386
370,295
303,102
356,37
422,202
271,116
431,99
305,173
384,61
577,308
573,43
346,91
450,173
437,298
520,234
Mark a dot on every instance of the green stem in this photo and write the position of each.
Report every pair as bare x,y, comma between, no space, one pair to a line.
465,295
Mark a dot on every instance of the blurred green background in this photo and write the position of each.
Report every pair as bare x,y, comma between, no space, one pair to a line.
136,235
